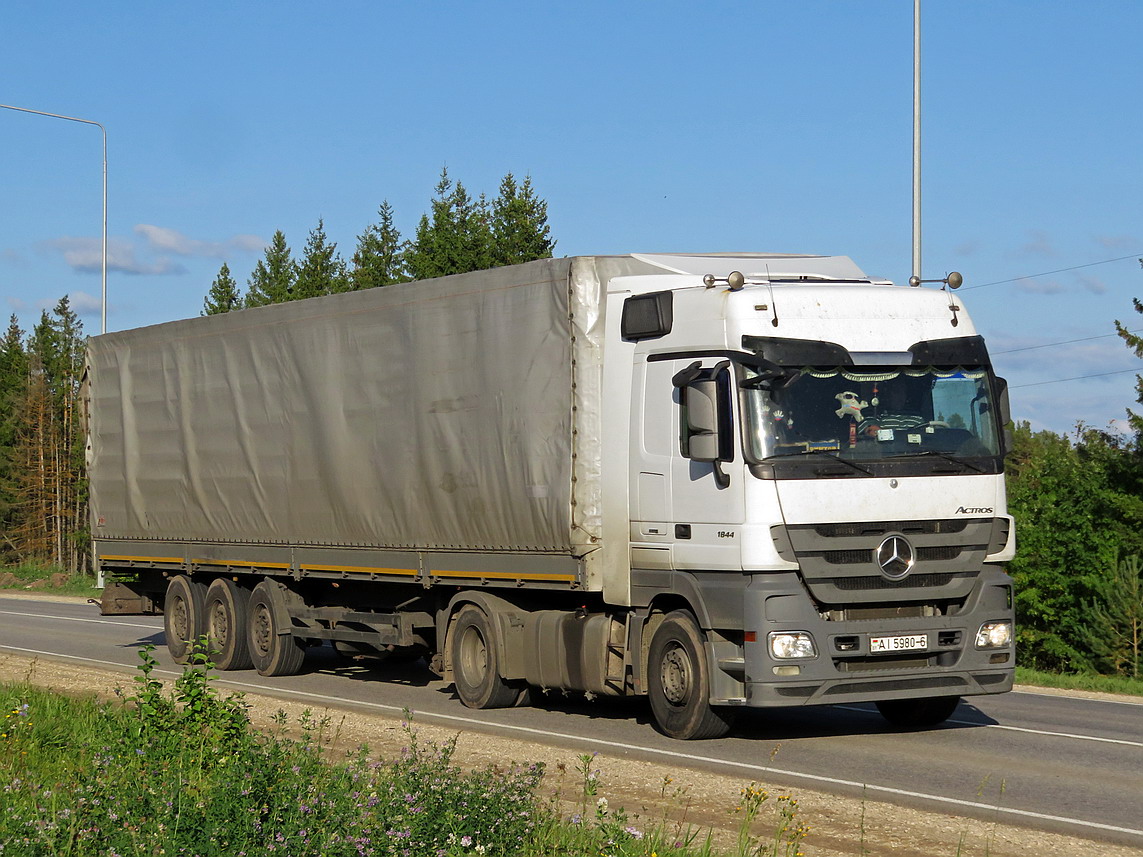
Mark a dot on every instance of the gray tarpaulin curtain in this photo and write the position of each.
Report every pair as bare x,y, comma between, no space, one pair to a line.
435,415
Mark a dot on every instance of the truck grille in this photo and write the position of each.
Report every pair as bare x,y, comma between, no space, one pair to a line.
838,561
855,557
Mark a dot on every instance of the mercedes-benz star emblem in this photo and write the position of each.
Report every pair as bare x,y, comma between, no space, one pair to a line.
895,556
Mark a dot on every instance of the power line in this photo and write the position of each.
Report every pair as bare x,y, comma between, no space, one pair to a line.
1047,273
1065,342
1077,378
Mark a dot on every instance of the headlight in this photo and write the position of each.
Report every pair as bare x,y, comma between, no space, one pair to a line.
785,645
994,635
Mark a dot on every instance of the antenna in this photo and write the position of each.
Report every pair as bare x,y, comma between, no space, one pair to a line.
773,305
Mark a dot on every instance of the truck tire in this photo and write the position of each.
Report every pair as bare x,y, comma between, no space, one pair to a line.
918,713
679,681
273,649
184,616
475,662
227,606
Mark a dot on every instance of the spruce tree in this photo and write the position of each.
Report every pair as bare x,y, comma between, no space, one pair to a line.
379,259
273,279
13,386
223,295
1135,343
1114,630
456,238
520,228
321,270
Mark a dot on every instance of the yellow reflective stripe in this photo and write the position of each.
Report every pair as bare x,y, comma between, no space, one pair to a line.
110,557
503,575
360,569
242,563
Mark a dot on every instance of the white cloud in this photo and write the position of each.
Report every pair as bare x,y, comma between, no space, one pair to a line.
1040,287
1117,242
156,256
85,304
1092,284
86,255
165,240
1040,244
16,305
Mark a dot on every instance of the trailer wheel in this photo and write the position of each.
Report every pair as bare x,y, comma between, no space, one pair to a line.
918,713
475,663
274,650
184,616
679,681
227,605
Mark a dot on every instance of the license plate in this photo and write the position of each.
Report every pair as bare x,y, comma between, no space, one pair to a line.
898,644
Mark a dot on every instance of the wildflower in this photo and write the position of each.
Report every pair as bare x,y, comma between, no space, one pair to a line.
601,804
465,841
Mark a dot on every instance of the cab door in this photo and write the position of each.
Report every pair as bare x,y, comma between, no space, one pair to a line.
688,504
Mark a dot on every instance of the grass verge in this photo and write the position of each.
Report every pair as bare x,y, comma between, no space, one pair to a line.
1076,681
183,772
31,577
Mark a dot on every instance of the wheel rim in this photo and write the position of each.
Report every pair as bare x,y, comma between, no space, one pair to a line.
473,655
219,624
263,629
180,620
676,675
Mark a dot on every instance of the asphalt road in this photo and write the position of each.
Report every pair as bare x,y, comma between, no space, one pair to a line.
1061,764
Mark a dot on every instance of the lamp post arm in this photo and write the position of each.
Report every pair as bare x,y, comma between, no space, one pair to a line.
103,296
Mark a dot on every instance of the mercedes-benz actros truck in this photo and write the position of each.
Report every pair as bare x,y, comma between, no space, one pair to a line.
719,481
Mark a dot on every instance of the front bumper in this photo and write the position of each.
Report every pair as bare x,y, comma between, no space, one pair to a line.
845,669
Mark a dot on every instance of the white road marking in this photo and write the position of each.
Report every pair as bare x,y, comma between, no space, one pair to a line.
977,723
619,745
82,619
1084,698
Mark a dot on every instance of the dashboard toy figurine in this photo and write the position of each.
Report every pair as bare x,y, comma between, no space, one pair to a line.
851,405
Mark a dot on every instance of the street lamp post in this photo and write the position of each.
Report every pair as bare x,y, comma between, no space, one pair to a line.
103,295
916,141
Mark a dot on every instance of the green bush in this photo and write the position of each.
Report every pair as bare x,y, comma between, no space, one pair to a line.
184,773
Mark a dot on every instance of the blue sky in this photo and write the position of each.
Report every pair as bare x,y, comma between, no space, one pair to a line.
646,126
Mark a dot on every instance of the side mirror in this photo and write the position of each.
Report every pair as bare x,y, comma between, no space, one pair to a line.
1002,401
705,408
1004,411
700,398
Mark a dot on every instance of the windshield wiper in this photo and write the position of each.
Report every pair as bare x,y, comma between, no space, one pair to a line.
824,452
950,458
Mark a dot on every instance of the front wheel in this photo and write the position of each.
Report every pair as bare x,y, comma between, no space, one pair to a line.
918,713
679,681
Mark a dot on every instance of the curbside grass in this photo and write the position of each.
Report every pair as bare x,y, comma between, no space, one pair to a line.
182,771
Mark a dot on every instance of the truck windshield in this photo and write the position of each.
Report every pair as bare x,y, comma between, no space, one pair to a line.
871,413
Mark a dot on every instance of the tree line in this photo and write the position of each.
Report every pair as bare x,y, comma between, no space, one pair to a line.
1078,505
459,233
43,489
